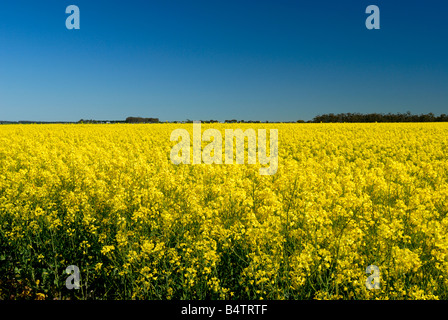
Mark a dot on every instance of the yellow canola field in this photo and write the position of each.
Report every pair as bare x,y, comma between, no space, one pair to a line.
107,199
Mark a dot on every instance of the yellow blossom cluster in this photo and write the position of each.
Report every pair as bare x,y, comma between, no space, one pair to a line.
108,199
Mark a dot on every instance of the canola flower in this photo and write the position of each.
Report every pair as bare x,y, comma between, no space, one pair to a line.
107,199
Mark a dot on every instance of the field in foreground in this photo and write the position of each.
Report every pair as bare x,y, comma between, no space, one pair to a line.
107,199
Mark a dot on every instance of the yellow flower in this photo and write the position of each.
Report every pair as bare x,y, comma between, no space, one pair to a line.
344,197
106,249
40,296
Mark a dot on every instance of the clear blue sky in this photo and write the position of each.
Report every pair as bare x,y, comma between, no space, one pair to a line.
278,60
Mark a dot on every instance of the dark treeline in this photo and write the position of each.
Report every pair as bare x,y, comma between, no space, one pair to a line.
324,118
141,120
379,117
128,120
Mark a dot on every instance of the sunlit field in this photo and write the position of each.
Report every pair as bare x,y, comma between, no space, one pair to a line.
107,199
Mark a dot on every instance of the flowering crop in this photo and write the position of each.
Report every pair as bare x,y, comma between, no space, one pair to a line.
108,199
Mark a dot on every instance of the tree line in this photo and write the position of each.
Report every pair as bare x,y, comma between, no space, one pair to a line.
324,118
128,120
378,117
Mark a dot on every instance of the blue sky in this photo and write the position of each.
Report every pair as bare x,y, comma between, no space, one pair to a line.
280,60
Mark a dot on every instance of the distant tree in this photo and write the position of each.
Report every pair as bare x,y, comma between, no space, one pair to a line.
141,120
377,117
